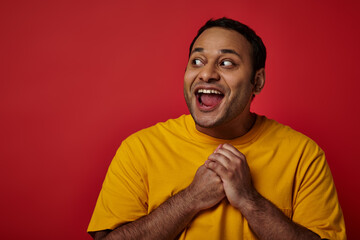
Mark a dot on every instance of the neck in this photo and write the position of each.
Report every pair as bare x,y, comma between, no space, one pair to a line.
232,129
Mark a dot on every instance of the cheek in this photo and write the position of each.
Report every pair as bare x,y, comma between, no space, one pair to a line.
189,77
241,88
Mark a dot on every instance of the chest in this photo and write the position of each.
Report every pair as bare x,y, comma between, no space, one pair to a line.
171,168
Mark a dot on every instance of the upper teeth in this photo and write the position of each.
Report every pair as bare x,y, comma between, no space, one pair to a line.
208,91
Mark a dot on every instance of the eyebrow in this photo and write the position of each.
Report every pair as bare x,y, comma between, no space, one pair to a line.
196,50
230,51
223,51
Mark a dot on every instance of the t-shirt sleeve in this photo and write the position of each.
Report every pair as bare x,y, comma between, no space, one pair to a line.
316,205
123,195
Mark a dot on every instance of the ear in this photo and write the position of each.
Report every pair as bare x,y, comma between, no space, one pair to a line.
259,81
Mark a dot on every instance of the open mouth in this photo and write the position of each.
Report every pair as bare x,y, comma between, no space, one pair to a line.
208,98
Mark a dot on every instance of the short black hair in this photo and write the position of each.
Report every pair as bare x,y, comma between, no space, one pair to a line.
258,47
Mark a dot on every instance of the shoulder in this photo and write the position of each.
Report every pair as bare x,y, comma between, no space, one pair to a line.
139,146
171,127
285,132
278,133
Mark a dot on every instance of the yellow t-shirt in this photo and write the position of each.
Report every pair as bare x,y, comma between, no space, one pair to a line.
287,168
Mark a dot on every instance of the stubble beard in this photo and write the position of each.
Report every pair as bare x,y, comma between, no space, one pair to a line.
234,109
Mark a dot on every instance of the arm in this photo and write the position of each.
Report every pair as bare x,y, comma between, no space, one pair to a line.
171,217
168,220
268,222
264,218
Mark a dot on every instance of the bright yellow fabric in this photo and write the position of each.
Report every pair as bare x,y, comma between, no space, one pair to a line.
153,164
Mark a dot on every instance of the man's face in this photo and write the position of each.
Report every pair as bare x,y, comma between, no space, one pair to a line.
217,81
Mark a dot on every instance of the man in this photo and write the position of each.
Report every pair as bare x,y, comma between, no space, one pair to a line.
223,172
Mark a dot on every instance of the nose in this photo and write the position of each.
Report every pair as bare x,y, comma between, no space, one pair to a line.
209,73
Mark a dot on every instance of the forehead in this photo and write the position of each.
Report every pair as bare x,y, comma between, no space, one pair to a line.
217,38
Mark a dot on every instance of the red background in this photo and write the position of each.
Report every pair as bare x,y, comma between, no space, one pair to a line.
77,77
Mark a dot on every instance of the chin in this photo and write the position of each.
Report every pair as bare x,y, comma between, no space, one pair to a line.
209,119
206,121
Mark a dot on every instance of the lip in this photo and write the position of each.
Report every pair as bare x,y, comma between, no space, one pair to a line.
204,108
207,88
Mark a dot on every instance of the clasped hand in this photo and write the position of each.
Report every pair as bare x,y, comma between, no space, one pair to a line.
231,166
225,174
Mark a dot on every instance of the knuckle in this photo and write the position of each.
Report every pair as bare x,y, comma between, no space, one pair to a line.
212,156
217,180
226,145
211,164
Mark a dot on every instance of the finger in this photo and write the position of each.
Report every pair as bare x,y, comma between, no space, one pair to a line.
232,149
218,168
221,159
208,172
228,154
218,147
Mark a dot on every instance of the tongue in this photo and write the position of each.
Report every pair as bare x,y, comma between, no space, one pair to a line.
211,100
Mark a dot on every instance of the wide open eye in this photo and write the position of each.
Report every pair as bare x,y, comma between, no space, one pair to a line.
197,62
226,63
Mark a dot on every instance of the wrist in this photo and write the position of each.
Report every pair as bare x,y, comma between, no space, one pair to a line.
250,202
189,201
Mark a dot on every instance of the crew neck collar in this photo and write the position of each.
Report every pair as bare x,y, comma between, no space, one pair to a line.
202,137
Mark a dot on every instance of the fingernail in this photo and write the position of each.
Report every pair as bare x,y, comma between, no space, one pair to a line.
218,148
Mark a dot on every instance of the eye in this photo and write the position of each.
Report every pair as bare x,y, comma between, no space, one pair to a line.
226,63
197,62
